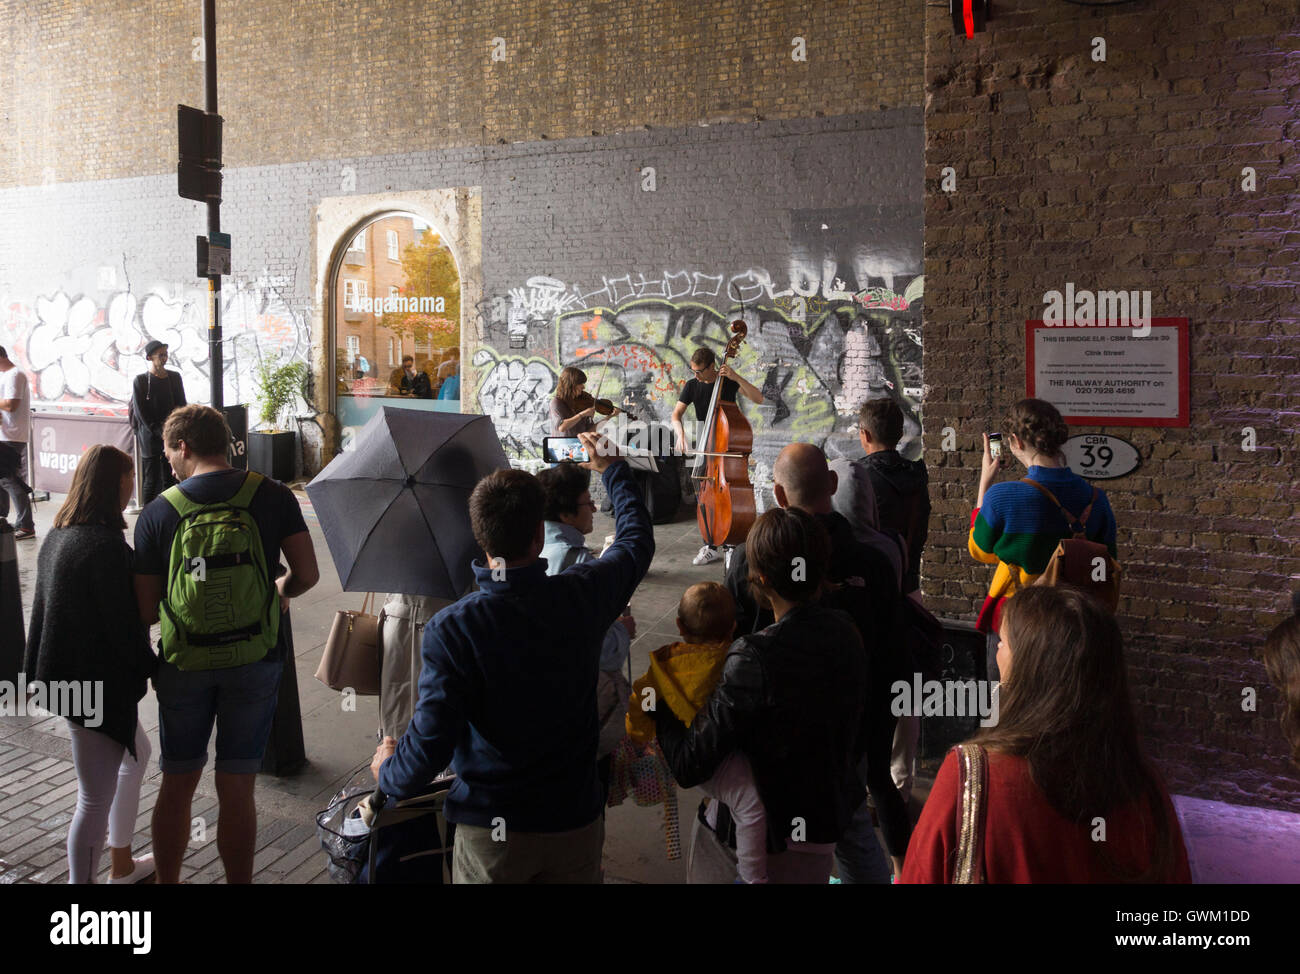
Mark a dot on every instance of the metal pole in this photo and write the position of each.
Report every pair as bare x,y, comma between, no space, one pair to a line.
214,207
135,507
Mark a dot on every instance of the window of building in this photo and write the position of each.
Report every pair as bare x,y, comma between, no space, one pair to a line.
354,292
420,264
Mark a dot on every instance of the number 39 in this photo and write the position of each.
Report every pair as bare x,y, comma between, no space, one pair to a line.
1104,454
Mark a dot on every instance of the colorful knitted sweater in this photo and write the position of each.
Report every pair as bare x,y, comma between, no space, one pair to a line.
1018,529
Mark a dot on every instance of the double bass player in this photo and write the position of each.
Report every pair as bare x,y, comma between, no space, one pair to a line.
698,391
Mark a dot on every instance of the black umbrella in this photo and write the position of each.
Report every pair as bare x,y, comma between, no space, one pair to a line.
395,509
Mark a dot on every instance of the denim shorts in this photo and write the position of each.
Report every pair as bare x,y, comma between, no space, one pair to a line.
240,699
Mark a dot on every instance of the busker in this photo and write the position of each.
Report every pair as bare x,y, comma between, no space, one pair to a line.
697,392
229,676
526,801
154,394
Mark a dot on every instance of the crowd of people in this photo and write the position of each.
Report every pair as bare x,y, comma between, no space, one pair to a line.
777,700
221,653
436,377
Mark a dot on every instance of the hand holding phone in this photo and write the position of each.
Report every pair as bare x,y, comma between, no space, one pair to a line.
995,445
564,449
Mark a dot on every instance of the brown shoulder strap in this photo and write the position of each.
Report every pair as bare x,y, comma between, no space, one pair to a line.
1071,520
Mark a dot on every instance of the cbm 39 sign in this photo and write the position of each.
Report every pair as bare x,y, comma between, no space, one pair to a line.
1100,456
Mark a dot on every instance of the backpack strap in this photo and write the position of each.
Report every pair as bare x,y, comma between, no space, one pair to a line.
244,496
177,499
1070,519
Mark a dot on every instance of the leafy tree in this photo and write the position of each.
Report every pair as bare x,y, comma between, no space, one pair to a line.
429,271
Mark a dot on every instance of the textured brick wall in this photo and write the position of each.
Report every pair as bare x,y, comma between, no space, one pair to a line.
1128,174
88,91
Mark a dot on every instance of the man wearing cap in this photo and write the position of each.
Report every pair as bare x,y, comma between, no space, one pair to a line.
154,395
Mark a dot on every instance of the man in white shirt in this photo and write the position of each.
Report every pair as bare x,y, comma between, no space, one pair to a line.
15,415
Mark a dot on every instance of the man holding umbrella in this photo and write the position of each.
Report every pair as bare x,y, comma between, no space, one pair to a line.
508,688
154,394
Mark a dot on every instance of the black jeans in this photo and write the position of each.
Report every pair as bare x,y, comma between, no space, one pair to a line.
156,476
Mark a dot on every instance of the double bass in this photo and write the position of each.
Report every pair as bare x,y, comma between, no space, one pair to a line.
726,507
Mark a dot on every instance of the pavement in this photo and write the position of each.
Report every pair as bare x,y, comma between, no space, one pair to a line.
38,788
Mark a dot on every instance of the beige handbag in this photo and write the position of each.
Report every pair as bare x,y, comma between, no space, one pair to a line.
352,659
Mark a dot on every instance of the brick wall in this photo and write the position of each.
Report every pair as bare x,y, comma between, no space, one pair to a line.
88,91
1127,173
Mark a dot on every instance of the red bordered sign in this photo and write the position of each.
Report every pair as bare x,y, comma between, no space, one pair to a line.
1106,375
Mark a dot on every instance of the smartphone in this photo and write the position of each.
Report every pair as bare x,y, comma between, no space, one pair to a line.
995,446
563,449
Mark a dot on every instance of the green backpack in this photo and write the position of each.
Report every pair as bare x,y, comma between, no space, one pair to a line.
221,608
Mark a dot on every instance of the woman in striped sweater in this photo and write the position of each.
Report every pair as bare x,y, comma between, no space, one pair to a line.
1015,525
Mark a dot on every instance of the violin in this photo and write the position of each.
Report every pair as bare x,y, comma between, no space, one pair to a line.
726,508
604,407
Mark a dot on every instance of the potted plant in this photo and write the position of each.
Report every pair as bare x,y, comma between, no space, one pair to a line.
271,451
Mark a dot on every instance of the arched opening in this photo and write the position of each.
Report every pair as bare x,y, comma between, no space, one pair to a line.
395,321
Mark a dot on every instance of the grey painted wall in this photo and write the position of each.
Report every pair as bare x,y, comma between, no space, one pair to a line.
815,223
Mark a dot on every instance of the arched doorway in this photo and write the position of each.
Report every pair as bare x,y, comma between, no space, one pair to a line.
395,319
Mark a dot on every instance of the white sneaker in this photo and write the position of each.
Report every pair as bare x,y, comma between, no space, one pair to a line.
707,556
143,869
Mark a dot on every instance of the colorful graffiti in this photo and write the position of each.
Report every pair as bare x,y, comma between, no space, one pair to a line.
83,353
816,348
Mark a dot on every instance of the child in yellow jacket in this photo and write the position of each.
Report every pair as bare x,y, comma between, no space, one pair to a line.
682,675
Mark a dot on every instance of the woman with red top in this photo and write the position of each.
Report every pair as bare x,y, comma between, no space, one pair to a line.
1069,796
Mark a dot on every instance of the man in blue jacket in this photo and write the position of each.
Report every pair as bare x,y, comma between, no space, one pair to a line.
508,689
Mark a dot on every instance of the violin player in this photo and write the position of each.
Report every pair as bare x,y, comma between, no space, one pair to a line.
571,408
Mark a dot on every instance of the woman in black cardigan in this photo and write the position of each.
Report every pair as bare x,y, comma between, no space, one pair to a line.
86,630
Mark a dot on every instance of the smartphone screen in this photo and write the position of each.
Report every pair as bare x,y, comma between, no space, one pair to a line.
564,449
995,446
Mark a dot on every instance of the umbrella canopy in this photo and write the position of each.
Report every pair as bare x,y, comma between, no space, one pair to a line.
395,509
